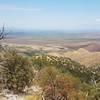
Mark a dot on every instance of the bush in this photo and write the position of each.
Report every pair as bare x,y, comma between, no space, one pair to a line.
18,73
57,86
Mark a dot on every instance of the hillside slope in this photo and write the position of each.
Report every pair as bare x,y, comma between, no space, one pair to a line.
84,57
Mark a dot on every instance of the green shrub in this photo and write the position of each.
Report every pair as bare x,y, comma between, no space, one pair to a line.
18,73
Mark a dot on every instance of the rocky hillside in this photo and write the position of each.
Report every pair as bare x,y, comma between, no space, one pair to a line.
66,65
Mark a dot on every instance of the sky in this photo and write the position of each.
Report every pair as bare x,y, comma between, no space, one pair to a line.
50,14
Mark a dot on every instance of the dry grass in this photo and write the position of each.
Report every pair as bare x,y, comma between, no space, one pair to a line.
33,97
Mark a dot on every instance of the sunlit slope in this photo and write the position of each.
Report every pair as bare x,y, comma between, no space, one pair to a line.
84,57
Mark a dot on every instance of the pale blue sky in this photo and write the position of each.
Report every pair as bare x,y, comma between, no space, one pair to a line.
51,14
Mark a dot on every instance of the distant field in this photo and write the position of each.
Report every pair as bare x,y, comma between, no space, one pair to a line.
71,44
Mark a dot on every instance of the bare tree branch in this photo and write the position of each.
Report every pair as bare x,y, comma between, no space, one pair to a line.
3,33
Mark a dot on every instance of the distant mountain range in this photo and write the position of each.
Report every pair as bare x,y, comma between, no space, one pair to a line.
55,35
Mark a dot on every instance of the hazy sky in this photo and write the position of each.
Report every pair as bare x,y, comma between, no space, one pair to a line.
51,14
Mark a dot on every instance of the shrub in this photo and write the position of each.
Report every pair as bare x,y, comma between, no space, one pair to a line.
18,73
55,85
